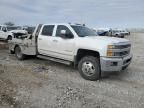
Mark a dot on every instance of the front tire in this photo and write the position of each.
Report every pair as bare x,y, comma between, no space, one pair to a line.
89,68
18,53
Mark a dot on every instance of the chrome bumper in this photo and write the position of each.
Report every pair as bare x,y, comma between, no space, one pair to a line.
114,64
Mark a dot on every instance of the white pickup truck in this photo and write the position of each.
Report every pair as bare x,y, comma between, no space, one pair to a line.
119,33
77,45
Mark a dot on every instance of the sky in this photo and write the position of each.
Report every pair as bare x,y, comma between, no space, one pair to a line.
94,13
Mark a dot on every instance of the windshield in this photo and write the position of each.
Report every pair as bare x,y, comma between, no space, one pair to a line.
83,31
0,27
12,28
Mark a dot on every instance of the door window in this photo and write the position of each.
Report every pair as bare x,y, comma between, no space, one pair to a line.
62,27
47,30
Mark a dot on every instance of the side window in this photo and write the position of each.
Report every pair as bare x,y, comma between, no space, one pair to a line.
62,27
0,27
47,30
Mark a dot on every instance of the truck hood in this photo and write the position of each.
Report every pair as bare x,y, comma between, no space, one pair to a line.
105,39
99,43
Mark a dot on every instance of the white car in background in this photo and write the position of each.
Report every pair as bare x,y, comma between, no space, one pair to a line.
3,32
7,32
120,32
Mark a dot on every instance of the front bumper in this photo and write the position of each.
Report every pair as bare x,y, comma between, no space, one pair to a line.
115,64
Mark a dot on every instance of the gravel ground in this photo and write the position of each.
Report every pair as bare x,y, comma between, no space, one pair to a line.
36,83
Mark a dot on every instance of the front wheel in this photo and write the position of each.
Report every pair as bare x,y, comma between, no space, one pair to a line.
19,53
89,68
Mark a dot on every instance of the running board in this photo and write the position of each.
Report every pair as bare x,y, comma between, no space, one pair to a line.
54,59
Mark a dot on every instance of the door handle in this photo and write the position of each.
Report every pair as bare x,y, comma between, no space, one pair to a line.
55,40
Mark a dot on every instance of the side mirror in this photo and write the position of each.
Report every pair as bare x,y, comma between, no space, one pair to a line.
63,32
66,35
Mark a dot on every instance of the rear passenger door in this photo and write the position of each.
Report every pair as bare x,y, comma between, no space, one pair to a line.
45,45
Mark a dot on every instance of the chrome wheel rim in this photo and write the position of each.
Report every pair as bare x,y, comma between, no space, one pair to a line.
88,68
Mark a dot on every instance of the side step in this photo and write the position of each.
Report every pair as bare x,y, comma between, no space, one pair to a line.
54,59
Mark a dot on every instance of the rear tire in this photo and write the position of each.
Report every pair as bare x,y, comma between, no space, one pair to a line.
89,68
18,53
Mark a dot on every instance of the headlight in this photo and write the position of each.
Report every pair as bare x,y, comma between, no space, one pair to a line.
110,52
111,46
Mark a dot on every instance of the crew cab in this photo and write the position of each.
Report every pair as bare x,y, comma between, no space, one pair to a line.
75,45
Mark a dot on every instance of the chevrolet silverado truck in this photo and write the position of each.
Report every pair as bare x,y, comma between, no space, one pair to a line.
75,45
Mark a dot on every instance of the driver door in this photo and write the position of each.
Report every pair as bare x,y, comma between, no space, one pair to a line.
64,46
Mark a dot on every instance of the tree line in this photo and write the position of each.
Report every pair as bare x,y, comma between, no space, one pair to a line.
9,23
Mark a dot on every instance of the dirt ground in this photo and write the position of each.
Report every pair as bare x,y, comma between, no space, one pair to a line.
36,83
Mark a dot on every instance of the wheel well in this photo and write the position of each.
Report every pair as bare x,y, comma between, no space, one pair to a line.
84,52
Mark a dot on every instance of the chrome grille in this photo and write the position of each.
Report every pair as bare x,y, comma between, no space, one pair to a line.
122,50
123,46
123,53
